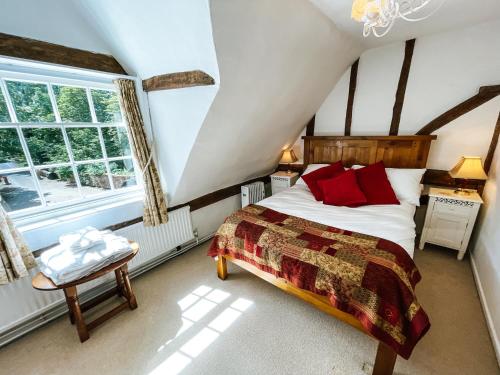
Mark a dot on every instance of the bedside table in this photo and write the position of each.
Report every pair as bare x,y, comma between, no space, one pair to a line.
450,219
283,180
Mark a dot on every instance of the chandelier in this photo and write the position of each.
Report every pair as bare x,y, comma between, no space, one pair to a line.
378,16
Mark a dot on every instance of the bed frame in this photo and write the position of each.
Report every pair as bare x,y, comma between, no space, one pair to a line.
396,152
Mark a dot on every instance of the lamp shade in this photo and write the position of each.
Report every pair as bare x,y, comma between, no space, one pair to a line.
288,157
469,167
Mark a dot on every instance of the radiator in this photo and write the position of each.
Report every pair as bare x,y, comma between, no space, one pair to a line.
156,241
23,308
252,193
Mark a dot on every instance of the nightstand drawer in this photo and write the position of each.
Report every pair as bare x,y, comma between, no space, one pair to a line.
447,230
452,209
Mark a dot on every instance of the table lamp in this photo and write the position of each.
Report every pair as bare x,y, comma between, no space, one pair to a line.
468,168
288,157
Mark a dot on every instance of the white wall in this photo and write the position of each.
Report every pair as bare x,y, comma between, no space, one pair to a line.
446,69
486,254
278,60
54,21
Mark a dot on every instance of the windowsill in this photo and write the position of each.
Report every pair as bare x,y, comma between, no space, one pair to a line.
73,210
44,229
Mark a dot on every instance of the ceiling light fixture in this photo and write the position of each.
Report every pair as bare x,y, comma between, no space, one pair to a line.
378,16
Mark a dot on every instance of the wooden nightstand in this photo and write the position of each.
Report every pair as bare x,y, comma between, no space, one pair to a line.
450,219
283,180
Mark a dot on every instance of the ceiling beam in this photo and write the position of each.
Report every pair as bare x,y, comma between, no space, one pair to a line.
310,126
493,146
485,94
31,49
350,99
401,90
177,81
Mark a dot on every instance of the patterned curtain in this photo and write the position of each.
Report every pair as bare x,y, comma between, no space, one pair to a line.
15,257
155,204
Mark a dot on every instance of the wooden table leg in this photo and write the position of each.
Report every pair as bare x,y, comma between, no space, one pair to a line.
74,305
132,302
385,360
119,283
70,309
221,267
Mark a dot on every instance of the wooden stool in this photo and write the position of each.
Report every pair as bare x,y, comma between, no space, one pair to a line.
123,289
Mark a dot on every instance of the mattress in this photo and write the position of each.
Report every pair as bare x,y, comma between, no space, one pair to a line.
391,222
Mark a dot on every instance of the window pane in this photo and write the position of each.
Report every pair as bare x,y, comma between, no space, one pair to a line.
46,145
72,104
85,143
31,101
116,141
4,112
122,172
11,152
107,107
58,184
94,178
18,191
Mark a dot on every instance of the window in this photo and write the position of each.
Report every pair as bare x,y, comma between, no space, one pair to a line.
62,142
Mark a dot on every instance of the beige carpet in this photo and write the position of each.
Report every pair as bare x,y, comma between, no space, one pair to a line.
189,322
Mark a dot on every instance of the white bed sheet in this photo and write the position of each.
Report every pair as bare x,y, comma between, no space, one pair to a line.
391,222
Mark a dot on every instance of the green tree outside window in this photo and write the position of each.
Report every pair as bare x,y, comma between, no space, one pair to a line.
31,101
72,104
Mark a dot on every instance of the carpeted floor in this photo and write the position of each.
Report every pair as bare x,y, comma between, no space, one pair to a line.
189,322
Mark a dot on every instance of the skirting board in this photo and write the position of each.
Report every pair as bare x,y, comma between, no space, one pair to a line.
58,309
486,310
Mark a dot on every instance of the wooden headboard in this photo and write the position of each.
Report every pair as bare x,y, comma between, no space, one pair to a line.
395,151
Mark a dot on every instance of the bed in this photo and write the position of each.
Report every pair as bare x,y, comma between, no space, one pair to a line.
379,233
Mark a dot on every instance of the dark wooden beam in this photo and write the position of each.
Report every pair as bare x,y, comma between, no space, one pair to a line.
484,95
400,92
216,196
493,89
350,99
177,81
31,49
493,146
310,126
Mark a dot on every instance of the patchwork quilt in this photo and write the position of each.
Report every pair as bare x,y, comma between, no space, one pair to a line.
371,278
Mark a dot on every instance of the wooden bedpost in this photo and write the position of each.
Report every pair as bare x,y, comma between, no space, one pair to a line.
221,267
384,361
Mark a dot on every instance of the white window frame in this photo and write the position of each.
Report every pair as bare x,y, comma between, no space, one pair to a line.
44,211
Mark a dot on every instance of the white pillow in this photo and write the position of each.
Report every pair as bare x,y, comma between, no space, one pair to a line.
310,168
405,182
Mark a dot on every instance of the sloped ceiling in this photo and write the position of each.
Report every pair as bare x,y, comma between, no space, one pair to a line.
277,60
274,63
155,37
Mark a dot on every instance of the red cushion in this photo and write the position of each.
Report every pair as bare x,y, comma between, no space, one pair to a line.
311,179
342,190
375,185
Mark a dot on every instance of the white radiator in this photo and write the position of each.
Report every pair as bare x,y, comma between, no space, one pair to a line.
156,241
252,193
23,308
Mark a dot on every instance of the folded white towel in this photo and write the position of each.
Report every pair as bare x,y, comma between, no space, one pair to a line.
81,239
63,265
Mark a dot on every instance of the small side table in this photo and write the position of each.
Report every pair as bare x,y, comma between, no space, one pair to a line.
123,289
450,219
283,180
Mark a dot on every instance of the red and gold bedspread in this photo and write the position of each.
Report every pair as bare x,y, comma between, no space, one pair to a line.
368,277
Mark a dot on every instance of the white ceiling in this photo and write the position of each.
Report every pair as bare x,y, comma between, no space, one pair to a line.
453,14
